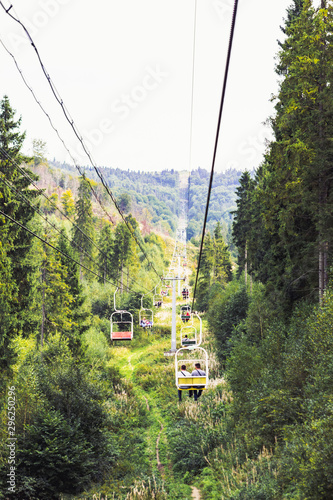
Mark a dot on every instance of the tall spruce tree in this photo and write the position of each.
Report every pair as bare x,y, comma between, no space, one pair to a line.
205,273
242,224
294,190
84,224
222,261
15,242
105,257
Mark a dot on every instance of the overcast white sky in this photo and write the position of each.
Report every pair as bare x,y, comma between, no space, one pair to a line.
124,71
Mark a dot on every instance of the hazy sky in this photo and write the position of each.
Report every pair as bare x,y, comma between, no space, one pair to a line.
124,71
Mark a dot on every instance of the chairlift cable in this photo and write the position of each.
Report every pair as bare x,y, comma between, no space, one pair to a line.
40,191
58,250
232,30
77,133
81,172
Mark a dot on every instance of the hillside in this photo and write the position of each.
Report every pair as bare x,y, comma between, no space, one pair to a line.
155,196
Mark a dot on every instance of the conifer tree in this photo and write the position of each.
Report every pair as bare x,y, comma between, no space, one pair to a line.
15,242
67,202
125,250
293,196
222,260
84,222
205,273
105,257
71,277
242,224
299,174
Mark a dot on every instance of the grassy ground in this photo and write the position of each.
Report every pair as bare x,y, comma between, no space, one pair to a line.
134,362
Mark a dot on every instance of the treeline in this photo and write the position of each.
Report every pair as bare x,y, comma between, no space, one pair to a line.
158,195
222,201
283,224
271,432
70,411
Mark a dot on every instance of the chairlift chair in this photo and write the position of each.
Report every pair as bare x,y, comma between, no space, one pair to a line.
192,355
188,335
121,323
185,313
143,321
192,338
157,300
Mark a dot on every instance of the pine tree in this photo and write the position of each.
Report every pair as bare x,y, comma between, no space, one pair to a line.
56,298
125,250
294,193
105,257
15,243
84,224
71,277
67,202
242,224
222,260
205,273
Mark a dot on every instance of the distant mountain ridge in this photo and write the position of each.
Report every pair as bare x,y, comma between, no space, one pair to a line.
156,195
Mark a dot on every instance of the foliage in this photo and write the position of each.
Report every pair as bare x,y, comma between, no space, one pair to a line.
284,217
15,243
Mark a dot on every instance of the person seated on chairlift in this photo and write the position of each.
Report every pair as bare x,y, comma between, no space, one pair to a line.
188,315
198,372
143,322
185,339
183,373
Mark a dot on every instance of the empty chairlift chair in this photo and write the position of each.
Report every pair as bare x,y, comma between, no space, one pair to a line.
121,323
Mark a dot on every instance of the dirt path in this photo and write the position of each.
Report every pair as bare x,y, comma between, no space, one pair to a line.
155,433
159,465
195,493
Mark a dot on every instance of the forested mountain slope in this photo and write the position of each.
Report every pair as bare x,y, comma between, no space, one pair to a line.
154,196
87,418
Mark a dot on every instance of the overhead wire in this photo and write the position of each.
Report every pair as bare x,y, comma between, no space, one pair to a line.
193,71
41,192
78,135
226,72
81,172
58,249
71,242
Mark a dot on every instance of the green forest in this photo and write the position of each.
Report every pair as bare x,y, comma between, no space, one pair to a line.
154,197
87,418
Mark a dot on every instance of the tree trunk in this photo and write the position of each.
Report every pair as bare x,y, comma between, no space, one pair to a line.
245,264
121,278
43,306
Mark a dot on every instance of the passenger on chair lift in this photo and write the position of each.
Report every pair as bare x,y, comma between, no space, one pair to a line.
197,373
188,315
183,373
145,323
